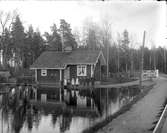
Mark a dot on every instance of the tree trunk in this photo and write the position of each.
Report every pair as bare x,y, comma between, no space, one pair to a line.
118,62
154,60
164,60
142,60
150,66
131,63
107,59
126,67
131,67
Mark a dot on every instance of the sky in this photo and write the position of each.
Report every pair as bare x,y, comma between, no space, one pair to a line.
133,16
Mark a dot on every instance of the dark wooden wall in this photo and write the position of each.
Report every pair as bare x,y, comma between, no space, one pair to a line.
53,76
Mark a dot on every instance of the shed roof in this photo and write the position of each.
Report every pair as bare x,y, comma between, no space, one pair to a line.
59,60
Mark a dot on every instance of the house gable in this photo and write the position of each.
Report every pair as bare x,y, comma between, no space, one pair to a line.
101,58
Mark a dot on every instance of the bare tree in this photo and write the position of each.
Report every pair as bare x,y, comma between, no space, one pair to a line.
6,20
118,51
164,54
92,34
153,50
132,47
77,36
107,35
142,59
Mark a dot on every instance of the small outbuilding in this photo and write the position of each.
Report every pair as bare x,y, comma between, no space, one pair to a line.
69,66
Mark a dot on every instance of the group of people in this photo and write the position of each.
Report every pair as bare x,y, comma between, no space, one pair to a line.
79,81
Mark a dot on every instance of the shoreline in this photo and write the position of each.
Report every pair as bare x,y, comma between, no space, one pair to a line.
125,108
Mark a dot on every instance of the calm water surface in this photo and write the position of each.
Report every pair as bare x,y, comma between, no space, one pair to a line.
107,101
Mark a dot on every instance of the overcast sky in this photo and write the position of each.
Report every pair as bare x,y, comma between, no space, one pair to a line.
133,16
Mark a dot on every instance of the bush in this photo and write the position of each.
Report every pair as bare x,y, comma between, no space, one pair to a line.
3,79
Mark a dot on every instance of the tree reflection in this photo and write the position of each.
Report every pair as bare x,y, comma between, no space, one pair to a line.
54,119
29,120
37,119
65,122
113,94
18,119
107,101
19,114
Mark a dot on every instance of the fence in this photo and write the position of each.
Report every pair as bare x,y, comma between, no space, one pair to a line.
150,74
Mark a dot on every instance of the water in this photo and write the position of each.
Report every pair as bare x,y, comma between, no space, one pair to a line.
43,120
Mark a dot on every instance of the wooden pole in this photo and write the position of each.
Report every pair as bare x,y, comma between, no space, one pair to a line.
107,58
107,104
164,60
2,120
100,99
60,85
142,60
118,58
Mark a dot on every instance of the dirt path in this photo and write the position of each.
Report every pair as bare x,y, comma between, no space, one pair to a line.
140,117
121,84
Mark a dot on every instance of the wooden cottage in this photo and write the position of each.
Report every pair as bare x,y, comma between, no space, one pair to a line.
70,66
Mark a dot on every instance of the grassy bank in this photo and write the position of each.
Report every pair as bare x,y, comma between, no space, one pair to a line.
125,108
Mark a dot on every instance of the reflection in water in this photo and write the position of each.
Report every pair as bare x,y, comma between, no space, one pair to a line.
23,118
65,122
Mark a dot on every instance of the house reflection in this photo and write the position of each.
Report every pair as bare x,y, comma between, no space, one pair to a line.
65,122
96,105
19,117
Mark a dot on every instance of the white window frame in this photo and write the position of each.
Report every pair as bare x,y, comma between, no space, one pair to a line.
81,70
43,72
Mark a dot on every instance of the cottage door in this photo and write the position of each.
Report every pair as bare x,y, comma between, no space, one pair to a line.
67,74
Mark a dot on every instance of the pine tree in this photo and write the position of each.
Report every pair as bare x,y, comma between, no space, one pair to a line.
18,33
66,34
34,46
54,39
38,45
7,47
125,49
28,53
18,36
92,39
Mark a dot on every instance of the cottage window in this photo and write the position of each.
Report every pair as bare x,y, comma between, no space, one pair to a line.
81,70
43,72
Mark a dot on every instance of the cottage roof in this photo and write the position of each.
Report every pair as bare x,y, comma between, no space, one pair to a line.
59,60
